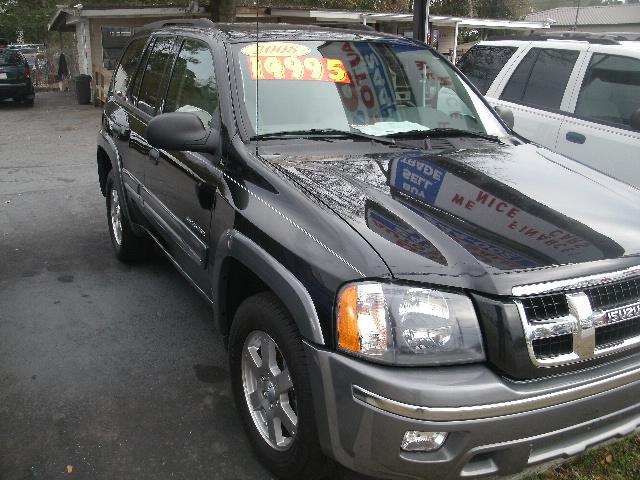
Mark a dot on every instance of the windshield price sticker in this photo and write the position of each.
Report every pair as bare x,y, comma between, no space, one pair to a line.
298,68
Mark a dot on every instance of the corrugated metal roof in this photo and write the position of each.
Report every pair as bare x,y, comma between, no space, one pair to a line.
601,15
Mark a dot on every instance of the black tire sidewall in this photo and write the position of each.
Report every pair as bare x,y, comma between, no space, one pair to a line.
265,313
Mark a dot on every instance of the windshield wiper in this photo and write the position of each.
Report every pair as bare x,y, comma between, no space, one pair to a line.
323,133
445,132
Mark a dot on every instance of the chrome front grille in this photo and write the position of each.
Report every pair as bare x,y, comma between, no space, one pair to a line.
615,294
567,327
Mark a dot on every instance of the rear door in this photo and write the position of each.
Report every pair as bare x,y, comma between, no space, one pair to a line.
536,89
145,100
598,133
175,185
117,114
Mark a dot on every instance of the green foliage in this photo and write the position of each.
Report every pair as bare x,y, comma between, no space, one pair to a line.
32,16
619,461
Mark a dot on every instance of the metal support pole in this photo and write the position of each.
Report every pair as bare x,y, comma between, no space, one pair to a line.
426,22
455,44
419,19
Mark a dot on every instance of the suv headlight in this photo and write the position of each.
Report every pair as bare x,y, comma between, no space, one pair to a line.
406,325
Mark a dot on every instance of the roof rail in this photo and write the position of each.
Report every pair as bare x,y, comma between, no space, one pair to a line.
177,22
596,38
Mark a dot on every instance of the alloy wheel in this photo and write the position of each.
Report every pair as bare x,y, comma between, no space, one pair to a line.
269,390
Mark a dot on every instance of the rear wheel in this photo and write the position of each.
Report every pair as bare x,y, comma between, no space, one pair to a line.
272,391
127,245
28,102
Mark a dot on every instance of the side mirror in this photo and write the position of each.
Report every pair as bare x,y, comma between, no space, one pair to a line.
181,131
634,121
506,114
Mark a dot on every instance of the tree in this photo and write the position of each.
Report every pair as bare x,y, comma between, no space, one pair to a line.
222,10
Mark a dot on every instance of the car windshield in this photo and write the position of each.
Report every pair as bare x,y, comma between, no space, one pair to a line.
10,58
378,88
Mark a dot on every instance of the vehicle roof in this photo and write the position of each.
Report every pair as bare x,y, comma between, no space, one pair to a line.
629,47
246,32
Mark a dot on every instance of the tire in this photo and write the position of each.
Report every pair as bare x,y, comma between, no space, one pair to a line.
289,448
29,102
127,245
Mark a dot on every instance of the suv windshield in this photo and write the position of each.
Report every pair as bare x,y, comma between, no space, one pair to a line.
376,88
10,58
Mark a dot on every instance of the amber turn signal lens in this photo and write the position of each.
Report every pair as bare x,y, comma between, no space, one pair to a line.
348,332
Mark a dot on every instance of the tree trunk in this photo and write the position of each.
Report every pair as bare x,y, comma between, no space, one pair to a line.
222,10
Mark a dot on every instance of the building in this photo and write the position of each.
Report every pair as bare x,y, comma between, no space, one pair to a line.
444,28
611,18
102,33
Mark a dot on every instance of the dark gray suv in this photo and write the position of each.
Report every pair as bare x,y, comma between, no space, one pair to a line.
406,286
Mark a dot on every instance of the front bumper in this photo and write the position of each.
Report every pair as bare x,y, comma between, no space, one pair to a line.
496,426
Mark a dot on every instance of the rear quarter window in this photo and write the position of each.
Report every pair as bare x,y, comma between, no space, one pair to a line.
482,64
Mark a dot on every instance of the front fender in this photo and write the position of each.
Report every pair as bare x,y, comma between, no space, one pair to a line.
290,291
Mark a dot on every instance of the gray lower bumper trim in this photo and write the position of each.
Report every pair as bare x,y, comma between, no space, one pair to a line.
475,412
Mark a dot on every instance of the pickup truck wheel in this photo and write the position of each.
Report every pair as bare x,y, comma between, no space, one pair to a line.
271,387
127,245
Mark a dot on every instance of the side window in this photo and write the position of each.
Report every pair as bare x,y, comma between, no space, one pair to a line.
135,90
193,83
155,71
610,91
128,66
541,78
482,64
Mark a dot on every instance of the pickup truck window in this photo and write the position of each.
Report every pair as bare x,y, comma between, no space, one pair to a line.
611,90
193,84
376,88
541,78
482,64
155,71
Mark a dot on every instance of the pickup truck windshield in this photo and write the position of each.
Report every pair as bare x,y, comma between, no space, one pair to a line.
376,88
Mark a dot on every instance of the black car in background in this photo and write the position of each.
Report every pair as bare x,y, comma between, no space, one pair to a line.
406,287
15,77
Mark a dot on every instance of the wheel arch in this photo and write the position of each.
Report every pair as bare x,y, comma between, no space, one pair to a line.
240,262
104,167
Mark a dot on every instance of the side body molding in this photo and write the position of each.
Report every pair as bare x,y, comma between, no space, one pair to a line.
283,283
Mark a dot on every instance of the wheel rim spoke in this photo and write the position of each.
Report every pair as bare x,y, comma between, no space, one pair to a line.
288,418
255,362
273,430
269,354
283,381
255,400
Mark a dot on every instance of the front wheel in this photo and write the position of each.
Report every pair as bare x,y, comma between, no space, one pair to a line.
272,390
127,245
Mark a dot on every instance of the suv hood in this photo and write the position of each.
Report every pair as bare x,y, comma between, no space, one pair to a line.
480,215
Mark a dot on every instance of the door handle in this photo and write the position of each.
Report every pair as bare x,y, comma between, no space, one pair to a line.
575,137
154,155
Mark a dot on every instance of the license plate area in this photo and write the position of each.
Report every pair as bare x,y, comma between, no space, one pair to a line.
3,76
